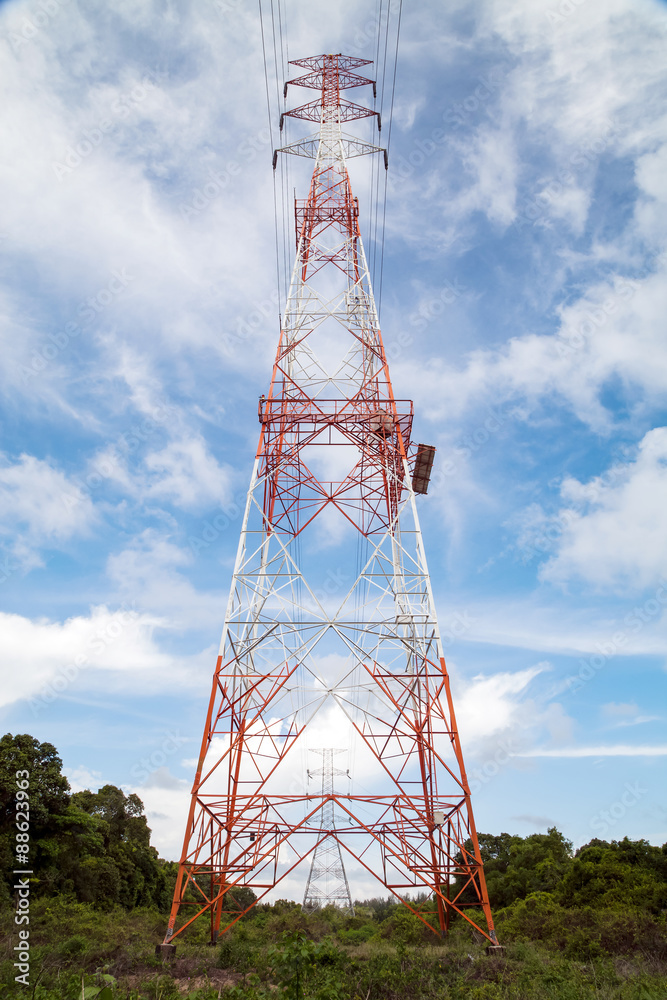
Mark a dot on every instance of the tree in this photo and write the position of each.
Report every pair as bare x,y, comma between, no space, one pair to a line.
625,873
122,815
48,789
516,866
131,873
91,846
48,799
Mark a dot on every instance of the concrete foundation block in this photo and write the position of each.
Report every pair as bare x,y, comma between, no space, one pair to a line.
167,952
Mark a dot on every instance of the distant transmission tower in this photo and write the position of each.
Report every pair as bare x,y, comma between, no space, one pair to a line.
334,481
327,882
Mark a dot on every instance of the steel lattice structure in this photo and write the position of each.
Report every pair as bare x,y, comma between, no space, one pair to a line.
334,459
327,883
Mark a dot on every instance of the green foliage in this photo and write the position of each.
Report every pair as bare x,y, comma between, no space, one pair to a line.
358,933
552,953
582,933
48,787
92,847
405,928
96,993
377,907
515,866
49,799
76,945
295,956
588,925
625,873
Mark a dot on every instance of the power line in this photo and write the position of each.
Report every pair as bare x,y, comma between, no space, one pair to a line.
268,109
391,118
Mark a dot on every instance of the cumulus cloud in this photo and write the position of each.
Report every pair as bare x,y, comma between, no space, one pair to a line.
186,474
152,570
619,537
46,659
40,507
489,706
614,331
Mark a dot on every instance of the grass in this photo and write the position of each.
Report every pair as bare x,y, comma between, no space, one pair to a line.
110,955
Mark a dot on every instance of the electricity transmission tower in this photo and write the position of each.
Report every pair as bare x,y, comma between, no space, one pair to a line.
327,882
334,482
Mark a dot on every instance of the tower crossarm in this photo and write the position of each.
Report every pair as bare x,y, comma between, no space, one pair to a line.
313,112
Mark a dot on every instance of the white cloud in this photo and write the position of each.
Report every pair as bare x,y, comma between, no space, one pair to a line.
115,204
152,567
200,283
187,475
620,537
576,103
498,712
550,623
621,750
615,710
45,659
166,806
488,706
614,331
82,778
623,714
492,161
40,507
651,209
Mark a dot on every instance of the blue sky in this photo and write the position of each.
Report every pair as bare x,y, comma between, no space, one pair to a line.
523,308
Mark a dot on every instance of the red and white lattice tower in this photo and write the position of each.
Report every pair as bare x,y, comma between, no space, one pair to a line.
334,462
